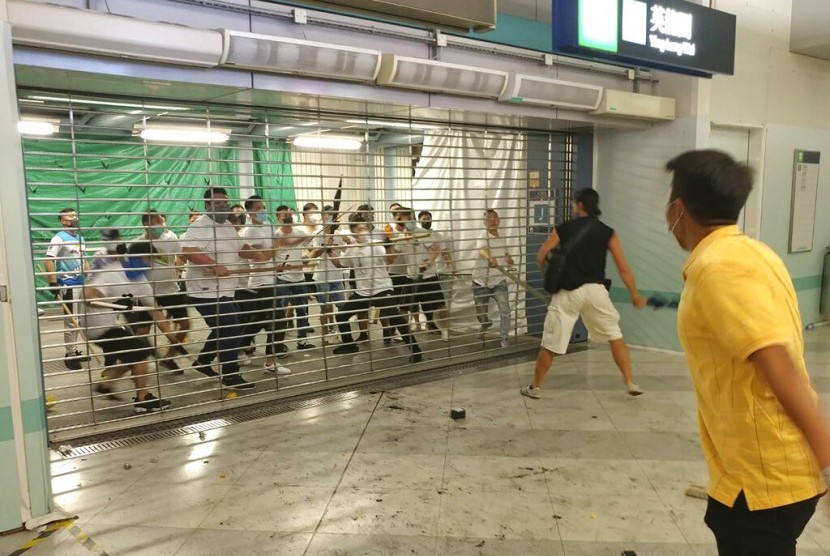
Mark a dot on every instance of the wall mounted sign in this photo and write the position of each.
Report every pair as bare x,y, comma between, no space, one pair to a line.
673,35
803,206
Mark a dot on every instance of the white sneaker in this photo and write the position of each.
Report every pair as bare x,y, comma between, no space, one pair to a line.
531,392
505,343
279,369
633,389
445,334
243,360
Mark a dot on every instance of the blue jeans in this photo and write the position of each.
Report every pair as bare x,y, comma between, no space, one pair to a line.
296,295
330,293
222,317
482,295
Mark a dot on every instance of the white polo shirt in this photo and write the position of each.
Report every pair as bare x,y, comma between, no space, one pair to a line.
162,275
370,273
219,242
260,236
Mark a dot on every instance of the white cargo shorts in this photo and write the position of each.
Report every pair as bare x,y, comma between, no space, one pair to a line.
589,301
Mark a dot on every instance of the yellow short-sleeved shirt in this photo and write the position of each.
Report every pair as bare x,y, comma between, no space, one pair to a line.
739,298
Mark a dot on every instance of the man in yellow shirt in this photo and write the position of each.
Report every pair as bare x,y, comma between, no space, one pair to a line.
765,439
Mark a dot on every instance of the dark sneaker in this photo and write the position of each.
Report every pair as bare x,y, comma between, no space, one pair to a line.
180,350
433,328
206,370
346,348
72,362
249,351
387,341
304,345
171,365
150,404
108,392
81,356
416,356
236,382
364,337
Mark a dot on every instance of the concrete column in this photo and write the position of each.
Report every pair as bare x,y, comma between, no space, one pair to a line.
24,457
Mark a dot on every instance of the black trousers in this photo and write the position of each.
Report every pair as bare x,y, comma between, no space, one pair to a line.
741,532
388,306
263,310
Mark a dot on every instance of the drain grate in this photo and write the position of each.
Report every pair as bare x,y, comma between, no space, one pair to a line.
196,424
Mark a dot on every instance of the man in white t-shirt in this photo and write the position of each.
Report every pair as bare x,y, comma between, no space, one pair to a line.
373,289
488,282
291,242
164,278
266,309
211,247
428,291
65,268
124,350
328,279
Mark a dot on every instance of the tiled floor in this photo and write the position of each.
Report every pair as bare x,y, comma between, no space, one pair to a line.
584,471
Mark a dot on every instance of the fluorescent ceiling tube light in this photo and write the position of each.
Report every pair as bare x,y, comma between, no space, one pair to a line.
328,142
37,127
402,125
183,134
42,98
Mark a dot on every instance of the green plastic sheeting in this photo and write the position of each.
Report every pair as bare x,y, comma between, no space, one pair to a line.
110,184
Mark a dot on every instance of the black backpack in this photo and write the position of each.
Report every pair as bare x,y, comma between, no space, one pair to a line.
553,269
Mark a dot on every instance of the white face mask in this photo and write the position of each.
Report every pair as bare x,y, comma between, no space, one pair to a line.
316,218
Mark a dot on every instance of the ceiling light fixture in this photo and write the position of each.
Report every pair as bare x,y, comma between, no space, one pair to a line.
401,125
328,142
37,127
106,103
182,134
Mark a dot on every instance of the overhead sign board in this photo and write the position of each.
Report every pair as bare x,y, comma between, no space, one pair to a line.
673,35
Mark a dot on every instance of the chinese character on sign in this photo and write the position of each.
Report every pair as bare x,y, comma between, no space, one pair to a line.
671,22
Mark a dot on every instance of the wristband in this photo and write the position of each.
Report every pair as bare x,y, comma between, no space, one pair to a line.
825,473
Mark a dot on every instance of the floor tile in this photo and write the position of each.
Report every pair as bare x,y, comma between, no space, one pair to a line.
581,444
283,509
383,439
497,547
315,469
493,474
392,471
498,515
492,441
210,542
331,544
382,512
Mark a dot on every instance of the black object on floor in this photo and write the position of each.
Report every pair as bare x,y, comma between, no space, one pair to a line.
460,413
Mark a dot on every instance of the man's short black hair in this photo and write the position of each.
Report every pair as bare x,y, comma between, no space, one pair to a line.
356,219
283,207
147,216
211,191
249,202
589,199
365,207
714,187
141,249
65,211
310,206
424,213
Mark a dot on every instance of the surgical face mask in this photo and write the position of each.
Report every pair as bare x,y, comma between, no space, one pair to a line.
71,224
682,212
157,231
362,237
410,226
316,218
288,220
261,215
219,211
426,224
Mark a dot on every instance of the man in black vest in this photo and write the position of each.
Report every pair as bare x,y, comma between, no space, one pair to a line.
583,293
